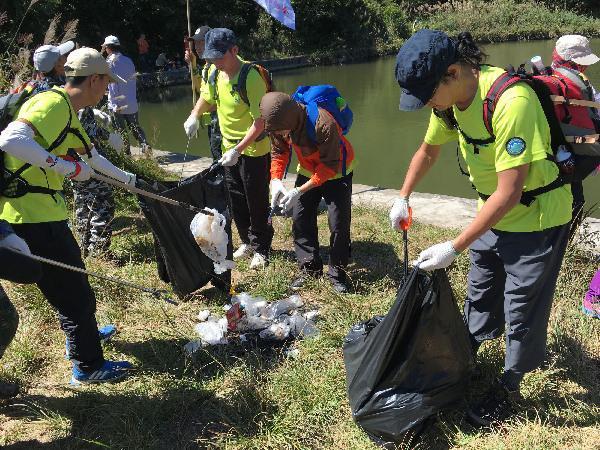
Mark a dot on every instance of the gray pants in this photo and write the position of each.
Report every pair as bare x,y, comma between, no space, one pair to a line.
511,285
94,212
124,123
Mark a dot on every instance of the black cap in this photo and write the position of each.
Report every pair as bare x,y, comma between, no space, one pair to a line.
217,42
200,33
420,65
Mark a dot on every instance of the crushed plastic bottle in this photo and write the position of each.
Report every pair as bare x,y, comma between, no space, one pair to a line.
301,327
253,323
281,307
276,332
252,306
213,332
210,235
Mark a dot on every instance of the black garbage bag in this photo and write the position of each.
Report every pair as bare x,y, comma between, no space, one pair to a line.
180,261
401,369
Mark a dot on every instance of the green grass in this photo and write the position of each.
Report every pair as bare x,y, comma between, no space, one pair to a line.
237,398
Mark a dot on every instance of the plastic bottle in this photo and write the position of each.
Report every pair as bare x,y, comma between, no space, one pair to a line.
565,160
538,65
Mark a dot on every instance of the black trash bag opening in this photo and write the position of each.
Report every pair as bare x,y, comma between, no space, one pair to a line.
179,259
404,368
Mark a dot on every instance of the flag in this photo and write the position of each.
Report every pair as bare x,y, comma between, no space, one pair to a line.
281,10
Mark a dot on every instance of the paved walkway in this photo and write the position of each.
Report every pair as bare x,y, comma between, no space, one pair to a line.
439,210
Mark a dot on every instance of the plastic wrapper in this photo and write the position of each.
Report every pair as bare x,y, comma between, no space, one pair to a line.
404,368
212,238
276,309
276,332
253,306
212,332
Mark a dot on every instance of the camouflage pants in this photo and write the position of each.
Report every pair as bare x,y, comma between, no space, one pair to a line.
94,213
9,321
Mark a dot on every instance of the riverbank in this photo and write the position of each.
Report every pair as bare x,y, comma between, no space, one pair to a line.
246,398
442,211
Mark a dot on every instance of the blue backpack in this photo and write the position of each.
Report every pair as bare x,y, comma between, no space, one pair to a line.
327,97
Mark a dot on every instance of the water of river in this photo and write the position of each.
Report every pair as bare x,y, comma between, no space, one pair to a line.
384,137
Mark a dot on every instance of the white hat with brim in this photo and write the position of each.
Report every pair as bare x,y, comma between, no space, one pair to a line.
45,57
576,48
87,61
111,40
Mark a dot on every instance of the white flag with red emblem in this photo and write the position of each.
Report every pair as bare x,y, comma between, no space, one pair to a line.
281,10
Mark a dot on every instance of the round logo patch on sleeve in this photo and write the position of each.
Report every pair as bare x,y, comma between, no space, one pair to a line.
515,146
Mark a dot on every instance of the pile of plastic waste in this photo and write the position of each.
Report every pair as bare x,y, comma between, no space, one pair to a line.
253,316
210,235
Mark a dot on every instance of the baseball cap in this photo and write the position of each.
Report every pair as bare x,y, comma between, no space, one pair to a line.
200,33
576,48
420,65
111,40
45,57
218,41
88,61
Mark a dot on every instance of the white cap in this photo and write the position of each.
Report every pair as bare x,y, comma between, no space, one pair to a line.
45,57
88,61
200,33
111,40
576,48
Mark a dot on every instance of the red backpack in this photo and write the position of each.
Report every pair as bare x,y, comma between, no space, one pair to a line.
568,103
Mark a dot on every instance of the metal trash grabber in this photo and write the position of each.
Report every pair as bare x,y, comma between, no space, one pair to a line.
152,195
404,226
158,293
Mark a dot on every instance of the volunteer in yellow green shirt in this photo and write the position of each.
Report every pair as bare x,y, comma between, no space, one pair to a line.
515,250
35,147
245,146
200,74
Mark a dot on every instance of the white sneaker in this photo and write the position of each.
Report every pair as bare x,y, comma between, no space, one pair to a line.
242,252
258,261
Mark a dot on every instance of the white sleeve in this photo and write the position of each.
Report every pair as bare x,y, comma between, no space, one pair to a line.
98,162
17,139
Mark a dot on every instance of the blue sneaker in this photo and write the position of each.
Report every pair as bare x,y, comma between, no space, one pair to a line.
110,371
106,333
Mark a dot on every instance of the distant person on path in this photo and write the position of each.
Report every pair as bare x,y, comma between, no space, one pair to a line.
143,53
515,250
246,155
122,97
200,76
324,172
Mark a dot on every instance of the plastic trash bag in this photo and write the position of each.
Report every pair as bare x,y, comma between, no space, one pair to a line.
403,368
180,261
212,238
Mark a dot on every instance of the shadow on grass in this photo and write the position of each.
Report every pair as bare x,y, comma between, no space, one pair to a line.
179,412
373,262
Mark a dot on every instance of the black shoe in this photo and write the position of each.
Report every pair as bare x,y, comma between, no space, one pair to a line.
341,287
496,406
8,390
301,279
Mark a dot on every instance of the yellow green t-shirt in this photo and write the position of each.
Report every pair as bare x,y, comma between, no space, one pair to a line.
48,112
235,116
522,137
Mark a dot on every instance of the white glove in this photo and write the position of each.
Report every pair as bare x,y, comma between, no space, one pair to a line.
438,256
290,199
78,171
277,191
191,125
229,158
399,212
132,179
115,140
14,242
102,117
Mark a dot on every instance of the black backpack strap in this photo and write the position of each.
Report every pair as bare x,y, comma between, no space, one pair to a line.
450,121
240,87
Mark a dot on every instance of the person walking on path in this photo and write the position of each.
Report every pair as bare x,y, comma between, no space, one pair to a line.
246,155
122,96
143,52
41,149
515,250
200,76
320,175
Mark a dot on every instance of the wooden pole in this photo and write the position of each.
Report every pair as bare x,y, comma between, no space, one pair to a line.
192,57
